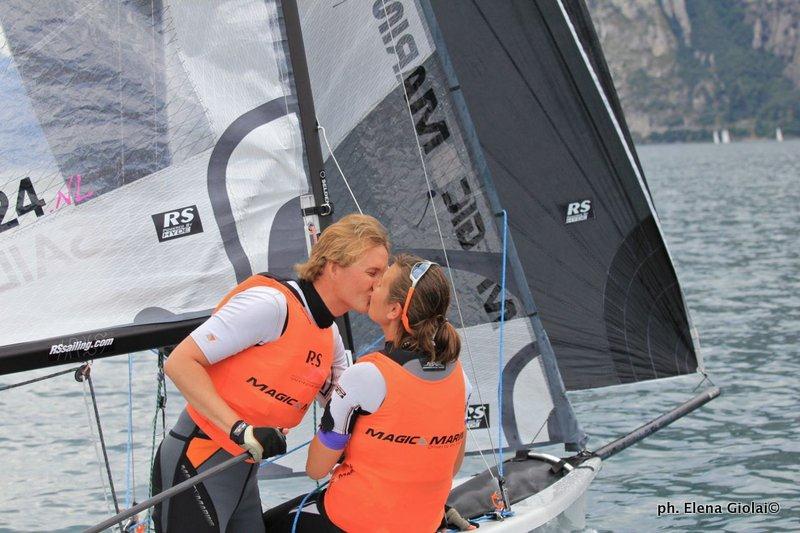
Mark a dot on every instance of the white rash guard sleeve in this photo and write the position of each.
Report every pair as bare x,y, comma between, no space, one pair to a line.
340,363
361,390
251,317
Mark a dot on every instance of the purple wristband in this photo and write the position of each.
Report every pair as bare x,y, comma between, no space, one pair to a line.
333,440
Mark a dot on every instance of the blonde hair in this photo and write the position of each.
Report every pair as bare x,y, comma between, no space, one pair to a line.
427,312
343,242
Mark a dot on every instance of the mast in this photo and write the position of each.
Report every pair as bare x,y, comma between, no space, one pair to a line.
323,209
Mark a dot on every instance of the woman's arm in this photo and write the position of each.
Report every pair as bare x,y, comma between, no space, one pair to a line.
320,459
186,367
359,392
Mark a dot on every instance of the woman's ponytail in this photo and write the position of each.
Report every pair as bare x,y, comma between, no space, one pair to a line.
448,343
431,333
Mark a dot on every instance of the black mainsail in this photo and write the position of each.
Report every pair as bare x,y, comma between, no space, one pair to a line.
583,219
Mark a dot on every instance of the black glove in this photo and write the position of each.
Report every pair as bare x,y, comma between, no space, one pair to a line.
261,442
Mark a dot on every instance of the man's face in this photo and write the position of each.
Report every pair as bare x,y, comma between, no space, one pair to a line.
356,282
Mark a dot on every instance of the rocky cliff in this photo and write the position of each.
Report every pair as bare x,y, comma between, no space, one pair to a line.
684,68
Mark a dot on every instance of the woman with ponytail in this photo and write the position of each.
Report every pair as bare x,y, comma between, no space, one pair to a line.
395,420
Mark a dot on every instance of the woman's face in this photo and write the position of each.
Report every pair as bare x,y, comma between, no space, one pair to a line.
381,311
355,283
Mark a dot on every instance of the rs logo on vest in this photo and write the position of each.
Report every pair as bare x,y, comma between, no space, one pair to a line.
274,393
314,358
177,223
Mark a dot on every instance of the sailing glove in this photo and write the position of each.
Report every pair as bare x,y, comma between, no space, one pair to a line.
261,442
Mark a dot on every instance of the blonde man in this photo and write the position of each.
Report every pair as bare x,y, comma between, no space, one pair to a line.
253,368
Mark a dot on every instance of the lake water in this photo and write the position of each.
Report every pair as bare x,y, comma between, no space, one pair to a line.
729,213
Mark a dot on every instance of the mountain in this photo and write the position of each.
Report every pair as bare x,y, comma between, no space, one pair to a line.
684,68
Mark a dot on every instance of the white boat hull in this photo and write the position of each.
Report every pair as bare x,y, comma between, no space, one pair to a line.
560,503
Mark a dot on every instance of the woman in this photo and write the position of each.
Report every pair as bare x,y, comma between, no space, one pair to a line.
253,368
397,414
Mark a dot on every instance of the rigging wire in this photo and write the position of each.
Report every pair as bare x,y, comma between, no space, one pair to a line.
41,378
84,375
441,234
94,445
130,472
336,162
705,378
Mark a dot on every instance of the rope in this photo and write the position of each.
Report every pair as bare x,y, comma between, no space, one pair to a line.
60,373
330,150
270,461
502,345
161,402
441,235
302,503
315,426
88,377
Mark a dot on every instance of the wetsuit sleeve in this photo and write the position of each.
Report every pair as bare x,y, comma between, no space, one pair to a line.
254,316
340,363
361,390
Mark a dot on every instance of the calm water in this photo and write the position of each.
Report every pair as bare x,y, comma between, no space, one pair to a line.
729,213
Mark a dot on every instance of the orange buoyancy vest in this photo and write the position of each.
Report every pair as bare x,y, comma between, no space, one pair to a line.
271,384
398,466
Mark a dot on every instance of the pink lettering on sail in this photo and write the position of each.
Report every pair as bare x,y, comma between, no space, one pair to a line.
72,194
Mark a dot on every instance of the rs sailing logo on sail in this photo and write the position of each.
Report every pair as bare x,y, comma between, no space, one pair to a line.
579,211
177,223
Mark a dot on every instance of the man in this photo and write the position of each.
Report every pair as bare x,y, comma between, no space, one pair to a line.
253,368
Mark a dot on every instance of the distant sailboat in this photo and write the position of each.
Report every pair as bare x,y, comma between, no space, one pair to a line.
716,137
778,135
726,137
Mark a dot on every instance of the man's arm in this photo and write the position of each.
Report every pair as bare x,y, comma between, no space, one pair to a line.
250,317
186,367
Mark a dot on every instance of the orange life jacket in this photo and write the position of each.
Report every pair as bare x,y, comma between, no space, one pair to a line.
398,465
272,384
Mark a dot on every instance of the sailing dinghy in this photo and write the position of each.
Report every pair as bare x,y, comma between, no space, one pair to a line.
154,154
